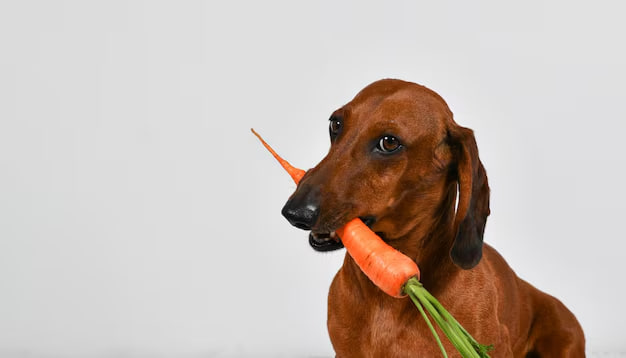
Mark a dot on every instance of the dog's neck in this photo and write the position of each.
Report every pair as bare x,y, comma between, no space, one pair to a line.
432,253
428,245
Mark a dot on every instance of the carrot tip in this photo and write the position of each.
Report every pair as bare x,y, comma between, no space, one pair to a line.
295,173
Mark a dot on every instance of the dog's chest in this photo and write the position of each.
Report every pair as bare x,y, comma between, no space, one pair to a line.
377,327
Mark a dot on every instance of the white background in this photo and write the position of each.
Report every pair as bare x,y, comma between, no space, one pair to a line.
140,218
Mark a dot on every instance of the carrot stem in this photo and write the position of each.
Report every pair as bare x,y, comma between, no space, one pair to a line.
430,325
480,348
445,326
458,336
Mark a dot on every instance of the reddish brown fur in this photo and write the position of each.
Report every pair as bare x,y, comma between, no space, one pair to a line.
412,194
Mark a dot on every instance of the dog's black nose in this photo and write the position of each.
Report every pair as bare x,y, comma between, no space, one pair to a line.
301,212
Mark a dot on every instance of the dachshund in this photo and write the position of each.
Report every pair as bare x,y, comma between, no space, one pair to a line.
398,161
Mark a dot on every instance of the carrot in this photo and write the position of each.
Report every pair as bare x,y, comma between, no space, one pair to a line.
395,274
388,268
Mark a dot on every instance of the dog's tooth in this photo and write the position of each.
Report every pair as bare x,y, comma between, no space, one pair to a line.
333,235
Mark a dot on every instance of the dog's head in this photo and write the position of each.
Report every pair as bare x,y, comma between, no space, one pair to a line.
396,160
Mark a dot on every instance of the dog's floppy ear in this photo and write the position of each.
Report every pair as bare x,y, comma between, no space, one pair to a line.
473,205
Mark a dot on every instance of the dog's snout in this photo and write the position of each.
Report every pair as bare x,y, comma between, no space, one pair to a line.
302,211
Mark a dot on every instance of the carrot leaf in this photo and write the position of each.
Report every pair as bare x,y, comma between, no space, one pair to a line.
458,336
430,325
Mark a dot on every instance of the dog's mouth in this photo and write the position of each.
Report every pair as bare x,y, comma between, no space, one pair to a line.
330,241
323,241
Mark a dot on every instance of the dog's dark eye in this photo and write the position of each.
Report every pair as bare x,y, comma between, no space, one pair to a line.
388,144
335,126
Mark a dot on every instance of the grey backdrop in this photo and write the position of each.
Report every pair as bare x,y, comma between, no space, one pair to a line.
140,218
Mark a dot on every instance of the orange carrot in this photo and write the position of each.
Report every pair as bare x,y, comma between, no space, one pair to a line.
397,275
385,266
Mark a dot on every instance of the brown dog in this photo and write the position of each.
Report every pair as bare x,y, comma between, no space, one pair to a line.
396,160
